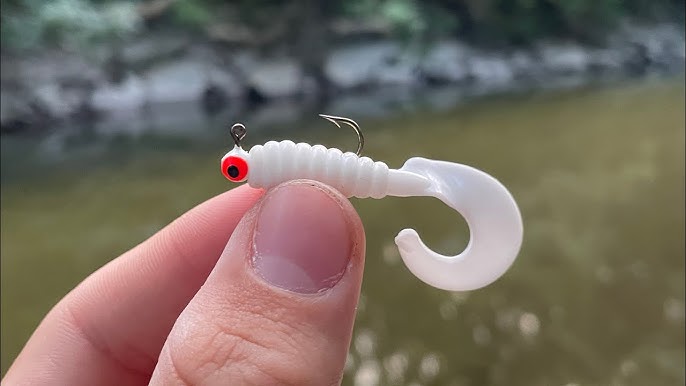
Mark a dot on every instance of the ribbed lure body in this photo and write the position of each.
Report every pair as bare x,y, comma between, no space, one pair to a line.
354,176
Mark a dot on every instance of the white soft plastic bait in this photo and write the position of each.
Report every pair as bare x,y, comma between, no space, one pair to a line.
491,212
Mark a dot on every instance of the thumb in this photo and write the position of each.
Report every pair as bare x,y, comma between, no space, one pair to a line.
278,308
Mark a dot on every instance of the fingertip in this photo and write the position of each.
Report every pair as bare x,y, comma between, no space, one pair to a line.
305,238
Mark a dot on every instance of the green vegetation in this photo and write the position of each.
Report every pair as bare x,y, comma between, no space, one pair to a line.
68,23
30,24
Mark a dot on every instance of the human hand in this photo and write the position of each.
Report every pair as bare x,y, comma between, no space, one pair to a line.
275,305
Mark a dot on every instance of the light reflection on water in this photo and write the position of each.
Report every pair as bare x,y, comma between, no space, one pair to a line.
596,296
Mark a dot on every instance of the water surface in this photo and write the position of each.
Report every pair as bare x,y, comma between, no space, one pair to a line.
596,296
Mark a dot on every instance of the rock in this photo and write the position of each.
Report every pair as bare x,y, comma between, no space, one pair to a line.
24,107
49,86
186,80
401,68
662,45
214,99
56,68
63,100
225,81
152,48
131,123
12,107
376,63
276,114
352,67
130,94
275,78
606,59
19,111
523,64
490,69
563,58
446,61
269,77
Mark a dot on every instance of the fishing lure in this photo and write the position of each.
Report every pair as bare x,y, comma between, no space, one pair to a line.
491,212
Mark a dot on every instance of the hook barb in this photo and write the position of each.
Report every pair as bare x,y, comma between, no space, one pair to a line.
351,123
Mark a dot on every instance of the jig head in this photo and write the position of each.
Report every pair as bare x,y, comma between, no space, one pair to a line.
489,209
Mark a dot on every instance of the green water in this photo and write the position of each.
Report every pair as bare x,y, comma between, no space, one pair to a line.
596,296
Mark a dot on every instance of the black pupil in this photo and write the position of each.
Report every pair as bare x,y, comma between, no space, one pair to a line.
233,171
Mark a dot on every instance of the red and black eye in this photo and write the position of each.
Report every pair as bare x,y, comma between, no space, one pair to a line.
234,168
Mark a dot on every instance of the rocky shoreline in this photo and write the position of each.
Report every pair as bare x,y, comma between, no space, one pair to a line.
55,87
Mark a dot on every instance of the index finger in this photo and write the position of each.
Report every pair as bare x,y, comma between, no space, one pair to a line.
110,329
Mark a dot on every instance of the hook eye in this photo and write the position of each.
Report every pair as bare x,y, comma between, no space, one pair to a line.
238,132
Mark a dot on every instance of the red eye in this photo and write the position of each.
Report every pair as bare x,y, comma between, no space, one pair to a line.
234,168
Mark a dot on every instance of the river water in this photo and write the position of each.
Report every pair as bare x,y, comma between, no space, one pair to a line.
596,296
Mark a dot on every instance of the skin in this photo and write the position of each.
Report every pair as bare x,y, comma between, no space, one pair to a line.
187,307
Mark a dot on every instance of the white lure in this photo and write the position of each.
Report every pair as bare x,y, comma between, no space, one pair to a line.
491,212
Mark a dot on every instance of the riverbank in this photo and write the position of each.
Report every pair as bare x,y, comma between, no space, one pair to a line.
43,90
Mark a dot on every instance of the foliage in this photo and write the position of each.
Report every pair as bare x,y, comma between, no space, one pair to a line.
521,21
69,23
36,23
191,14
411,21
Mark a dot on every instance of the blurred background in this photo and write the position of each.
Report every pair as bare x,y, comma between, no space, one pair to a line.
115,113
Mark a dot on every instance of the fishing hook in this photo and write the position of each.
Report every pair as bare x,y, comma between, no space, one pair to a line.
351,123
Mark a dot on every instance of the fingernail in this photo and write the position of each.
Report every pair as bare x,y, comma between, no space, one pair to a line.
302,239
